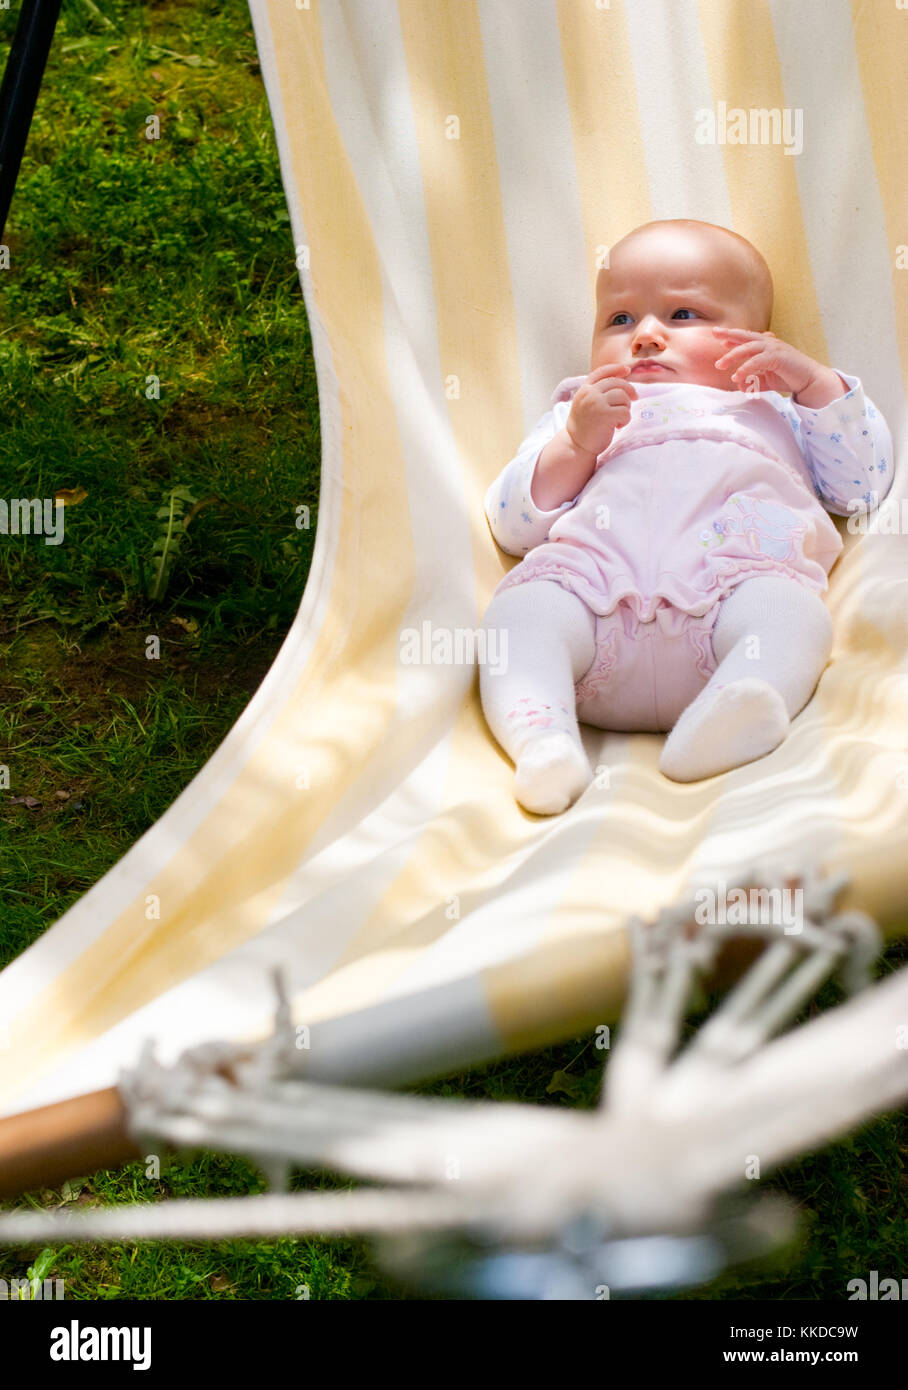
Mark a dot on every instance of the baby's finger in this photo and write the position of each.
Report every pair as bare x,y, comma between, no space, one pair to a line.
755,366
737,333
737,353
618,401
609,369
626,388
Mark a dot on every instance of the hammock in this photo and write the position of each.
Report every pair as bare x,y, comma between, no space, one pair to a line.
453,170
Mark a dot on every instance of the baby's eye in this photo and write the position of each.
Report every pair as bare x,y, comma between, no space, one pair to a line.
683,311
621,315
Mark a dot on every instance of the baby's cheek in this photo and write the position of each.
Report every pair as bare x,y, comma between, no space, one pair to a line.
709,350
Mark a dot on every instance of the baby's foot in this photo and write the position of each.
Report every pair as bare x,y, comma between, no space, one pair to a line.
552,771
724,728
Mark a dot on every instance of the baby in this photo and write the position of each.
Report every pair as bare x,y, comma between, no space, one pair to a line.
672,508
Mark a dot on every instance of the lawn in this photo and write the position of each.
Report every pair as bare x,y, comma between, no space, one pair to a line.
156,369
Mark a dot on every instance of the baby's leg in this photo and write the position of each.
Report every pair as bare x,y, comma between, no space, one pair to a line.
772,639
530,705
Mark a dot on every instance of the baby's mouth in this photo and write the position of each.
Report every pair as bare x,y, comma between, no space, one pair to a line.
650,365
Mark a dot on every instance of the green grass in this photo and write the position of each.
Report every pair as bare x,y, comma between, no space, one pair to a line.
172,259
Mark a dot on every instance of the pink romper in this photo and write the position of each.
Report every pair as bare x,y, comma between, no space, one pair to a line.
702,489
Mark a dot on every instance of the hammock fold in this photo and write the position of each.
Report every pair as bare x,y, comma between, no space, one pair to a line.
454,170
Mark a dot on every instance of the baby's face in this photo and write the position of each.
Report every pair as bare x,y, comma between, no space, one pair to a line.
658,302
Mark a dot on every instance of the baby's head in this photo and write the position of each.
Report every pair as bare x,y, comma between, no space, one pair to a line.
666,286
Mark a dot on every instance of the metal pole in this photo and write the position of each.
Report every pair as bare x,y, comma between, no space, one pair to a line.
19,92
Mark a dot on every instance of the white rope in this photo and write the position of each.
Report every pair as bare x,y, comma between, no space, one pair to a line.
267,1214
666,962
671,1135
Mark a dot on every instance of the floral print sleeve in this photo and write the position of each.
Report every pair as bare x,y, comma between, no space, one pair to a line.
516,522
848,449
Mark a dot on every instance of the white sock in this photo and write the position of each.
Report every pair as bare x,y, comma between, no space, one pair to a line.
530,705
552,771
772,639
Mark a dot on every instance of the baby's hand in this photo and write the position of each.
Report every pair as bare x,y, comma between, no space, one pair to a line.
600,406
762,362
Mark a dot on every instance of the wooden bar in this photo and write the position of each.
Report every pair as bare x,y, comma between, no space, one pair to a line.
42,1148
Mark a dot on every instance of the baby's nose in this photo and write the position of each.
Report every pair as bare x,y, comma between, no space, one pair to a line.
648,331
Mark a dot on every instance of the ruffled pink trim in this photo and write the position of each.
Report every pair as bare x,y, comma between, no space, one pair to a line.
703,647
601,669
733,572
727,575
702,430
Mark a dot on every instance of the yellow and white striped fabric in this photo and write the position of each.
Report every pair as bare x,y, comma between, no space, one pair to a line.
453,169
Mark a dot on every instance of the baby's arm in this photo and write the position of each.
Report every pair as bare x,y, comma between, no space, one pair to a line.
558,459
848,449
517,524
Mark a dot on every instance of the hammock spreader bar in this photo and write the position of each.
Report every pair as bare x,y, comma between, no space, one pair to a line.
550,1203
42,1147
